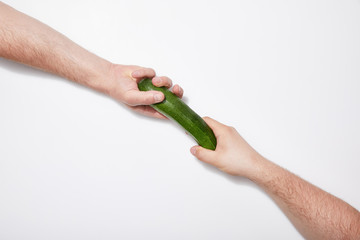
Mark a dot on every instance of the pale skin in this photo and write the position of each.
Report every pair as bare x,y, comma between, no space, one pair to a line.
315,213
27,40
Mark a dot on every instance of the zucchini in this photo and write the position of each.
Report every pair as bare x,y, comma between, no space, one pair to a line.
175,109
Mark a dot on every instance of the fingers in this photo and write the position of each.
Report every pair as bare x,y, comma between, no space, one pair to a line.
213,123
147,111
162,82
203,154
166,82
216,126
178,91
134,97
143,72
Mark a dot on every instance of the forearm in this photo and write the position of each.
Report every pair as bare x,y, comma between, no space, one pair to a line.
26,40
315,213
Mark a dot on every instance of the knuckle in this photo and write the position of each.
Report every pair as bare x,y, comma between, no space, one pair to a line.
230,129
168,80
151,71
142,71
160,80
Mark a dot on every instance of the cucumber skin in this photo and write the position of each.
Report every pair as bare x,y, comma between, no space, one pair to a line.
175,109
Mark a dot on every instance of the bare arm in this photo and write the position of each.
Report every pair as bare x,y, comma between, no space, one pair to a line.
26,40
315,213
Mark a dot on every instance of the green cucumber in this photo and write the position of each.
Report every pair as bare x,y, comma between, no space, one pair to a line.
175,109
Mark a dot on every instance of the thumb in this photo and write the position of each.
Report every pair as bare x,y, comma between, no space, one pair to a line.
135,97
203,154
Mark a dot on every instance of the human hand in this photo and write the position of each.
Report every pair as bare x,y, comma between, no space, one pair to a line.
124,88
232,155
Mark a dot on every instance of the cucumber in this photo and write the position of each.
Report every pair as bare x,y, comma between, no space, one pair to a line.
175,109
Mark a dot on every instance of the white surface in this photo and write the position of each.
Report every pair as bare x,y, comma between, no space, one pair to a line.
77,165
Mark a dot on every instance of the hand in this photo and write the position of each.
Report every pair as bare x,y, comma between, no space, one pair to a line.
124,88
232,155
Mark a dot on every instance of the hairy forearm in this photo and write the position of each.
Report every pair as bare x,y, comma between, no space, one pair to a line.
315,213
26,40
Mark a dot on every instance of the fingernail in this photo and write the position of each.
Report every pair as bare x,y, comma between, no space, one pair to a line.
158,97
193,150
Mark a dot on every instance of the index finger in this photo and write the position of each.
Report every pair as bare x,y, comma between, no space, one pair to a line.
214,125
143,72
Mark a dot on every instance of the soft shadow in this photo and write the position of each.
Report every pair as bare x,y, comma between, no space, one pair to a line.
233,179
186,99
23,69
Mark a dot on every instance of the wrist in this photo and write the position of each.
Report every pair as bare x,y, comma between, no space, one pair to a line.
104,80
257,167
114,74
264,171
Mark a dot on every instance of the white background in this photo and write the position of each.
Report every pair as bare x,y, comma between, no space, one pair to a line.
75,164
